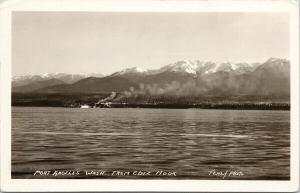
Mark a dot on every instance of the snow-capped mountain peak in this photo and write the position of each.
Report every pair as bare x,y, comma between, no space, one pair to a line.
139,69
277,61
132,70
199,67
45,75
97,75
67,78
186,66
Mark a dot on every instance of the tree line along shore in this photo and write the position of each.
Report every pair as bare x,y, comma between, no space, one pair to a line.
103,100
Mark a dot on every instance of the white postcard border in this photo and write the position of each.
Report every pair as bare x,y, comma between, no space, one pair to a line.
30,185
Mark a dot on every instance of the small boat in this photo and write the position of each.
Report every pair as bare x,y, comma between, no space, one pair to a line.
85,106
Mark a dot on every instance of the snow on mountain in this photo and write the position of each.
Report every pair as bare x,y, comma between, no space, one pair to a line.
198,67
67,78
191,77
26,77
45,75
276,62
97,75
133,70
275,66
241,68
190,67
224,67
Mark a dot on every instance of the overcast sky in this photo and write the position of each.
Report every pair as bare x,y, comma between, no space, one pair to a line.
108,42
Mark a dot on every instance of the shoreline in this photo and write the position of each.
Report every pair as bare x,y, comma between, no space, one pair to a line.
282,107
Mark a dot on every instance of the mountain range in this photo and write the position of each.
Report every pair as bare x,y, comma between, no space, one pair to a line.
182,78
66,78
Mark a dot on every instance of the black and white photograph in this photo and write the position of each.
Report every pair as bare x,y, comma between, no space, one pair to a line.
133,95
